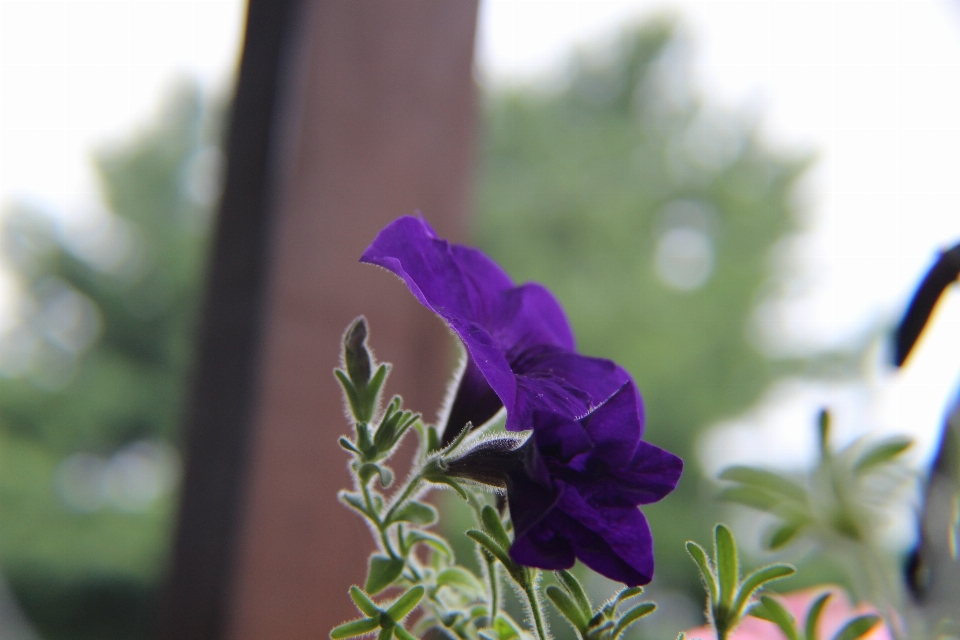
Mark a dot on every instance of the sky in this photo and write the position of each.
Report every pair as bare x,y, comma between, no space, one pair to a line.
872,88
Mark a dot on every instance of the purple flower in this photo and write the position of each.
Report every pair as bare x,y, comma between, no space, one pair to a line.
574,486
519,344
579,489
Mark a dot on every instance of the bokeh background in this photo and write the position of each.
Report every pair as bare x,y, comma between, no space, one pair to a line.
732,199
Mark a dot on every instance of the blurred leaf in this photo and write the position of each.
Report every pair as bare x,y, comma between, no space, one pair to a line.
383,571
813,617
416,512
881,453
857,628
766,481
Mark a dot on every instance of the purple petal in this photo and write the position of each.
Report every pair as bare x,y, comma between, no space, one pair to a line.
554,380
613,541
649,477
616,426
559,438
544,549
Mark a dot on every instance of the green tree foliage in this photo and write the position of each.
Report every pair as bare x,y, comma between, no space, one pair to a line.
97,361
653,215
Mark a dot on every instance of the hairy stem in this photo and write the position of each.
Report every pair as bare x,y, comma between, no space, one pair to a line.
530,588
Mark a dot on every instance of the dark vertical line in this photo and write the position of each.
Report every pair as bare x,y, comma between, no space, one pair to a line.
218,423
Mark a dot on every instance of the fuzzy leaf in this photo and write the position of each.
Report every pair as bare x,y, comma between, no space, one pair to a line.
565,605
771,610
858,627
364,604
494,526
632,615
756,580
386,632
727,564
353,399
417,513
405,604
438,543
403,634
813,617
383,571
706,571
575,589
880,453
354,500
355,628
486,542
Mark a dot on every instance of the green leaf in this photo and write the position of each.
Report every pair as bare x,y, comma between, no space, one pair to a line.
727,564
881,453
405,604
416,512
433,439
813,617
355,628
770,609
706,572
750,497
575,589
496,551
565,605
756,580
450,482
460,579
355,501
376,383
364,604
383,571
431,540
632,615
346,444
506,628
858,627
765,480
783,534
351,393
494,526
386,632
403,634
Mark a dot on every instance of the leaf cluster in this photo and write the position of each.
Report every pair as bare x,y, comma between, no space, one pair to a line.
606,623
770,609
729,598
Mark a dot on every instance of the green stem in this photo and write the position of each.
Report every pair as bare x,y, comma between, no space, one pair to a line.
412,486
530,588
494,590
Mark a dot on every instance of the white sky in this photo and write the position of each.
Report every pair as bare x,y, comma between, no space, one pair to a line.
873,86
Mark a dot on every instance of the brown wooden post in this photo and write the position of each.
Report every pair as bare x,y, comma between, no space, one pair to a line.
376,120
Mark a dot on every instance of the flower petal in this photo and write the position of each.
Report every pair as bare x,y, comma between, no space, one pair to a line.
615,427
613,541
555,380
650,476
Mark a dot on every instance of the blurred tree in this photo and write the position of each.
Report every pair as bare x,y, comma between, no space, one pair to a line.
653,215
96,365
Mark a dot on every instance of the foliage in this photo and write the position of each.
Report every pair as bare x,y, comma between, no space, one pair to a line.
609,191
843,505
96,363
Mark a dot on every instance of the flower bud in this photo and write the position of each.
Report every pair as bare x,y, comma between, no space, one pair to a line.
489,461
356,357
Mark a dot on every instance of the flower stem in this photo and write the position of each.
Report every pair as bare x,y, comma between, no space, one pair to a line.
530,588
494,590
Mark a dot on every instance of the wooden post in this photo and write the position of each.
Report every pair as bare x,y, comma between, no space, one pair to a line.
373,117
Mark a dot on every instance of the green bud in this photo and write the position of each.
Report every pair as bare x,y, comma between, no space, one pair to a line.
356,357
